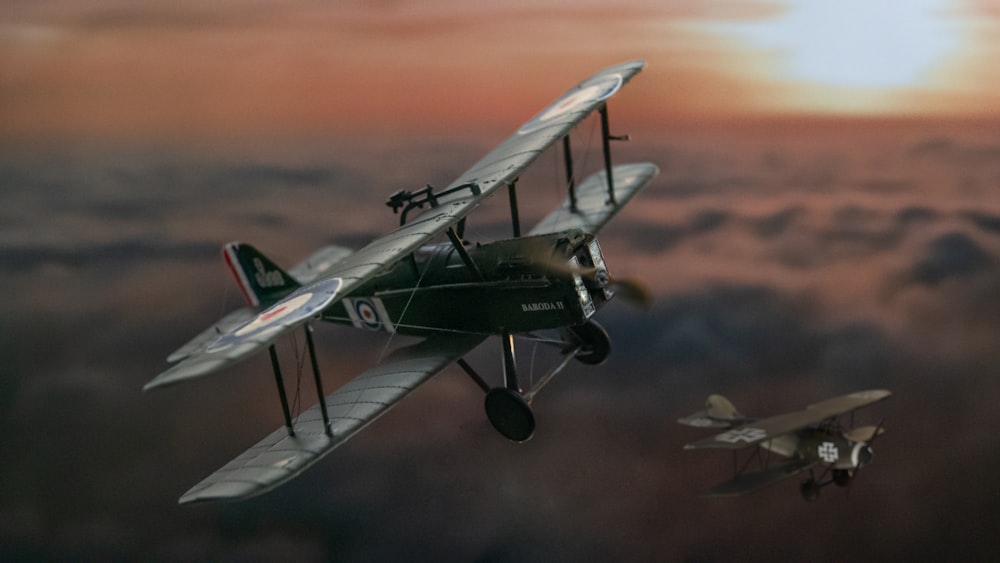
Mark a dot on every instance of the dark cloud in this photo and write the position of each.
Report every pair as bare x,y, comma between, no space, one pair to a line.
915,215
956,152
951,255
988,222
111,255
777,223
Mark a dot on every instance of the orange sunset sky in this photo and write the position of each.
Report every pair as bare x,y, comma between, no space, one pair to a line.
121,69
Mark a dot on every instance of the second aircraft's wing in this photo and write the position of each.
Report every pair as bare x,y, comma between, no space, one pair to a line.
280,457
850,402
768,428
749,482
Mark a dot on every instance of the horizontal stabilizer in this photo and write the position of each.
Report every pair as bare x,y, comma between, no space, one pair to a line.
253,336
280,457
593,209
719,413
750,482
701,419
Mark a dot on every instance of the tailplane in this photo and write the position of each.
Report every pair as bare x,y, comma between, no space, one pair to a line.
263,283
719,413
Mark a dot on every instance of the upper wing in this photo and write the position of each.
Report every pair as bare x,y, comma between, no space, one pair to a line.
500,167
319,263
850,402
593,210
280,457
211,334
765,429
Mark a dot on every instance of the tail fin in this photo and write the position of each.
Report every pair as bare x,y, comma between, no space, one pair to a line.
263,283
721,408
719,413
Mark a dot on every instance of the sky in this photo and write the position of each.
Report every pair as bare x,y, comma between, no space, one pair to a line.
182,69
827,219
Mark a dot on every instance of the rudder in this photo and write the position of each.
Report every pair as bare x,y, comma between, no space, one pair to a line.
262,282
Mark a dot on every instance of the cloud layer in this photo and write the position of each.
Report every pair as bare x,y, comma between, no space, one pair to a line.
787,268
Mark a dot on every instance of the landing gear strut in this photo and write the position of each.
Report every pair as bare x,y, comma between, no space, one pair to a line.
509,407
810,489
507,410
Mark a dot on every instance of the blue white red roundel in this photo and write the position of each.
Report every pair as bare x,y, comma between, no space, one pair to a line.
367,314
296,308
600,89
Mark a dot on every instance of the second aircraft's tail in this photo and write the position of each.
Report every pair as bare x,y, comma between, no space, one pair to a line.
719,413
262,282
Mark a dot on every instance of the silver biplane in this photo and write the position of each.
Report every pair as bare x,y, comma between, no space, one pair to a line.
812,439
553,277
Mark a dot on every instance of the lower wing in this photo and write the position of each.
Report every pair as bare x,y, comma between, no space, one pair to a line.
749,482
279,457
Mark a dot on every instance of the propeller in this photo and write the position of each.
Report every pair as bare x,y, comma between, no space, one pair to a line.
633,291
864,436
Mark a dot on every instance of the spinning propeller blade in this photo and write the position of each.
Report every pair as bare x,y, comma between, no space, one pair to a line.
633,291
872,433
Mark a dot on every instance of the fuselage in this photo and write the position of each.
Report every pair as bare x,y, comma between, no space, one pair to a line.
518,285
821,445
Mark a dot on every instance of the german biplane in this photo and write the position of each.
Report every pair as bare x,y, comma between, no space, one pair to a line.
551,278
813,439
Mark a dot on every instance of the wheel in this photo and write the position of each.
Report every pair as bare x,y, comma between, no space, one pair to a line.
510,414
842,477
595,340
809,489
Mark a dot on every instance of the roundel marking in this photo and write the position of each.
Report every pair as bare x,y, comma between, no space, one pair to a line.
367,314
275,314
299,306
601,89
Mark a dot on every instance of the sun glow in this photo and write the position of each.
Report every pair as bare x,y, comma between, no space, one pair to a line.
866,44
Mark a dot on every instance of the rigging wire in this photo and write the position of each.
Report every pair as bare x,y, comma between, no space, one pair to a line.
437,250
299,362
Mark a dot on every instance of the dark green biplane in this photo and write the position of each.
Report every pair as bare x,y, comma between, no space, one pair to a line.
453,294
812,439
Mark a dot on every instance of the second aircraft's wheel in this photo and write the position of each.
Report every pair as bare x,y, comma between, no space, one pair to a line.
510,414
842,477
596,343
810,490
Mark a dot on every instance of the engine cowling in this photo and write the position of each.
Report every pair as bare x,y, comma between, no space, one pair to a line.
861,454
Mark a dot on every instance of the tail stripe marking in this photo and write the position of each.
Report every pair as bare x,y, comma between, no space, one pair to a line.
229,253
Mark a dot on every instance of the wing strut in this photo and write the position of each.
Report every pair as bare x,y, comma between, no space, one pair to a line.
514,217
473,374
608,137
278,380
509,369
456,241
281,390
319,382
570,179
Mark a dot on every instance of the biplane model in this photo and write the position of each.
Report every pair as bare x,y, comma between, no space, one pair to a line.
425,279
812,439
